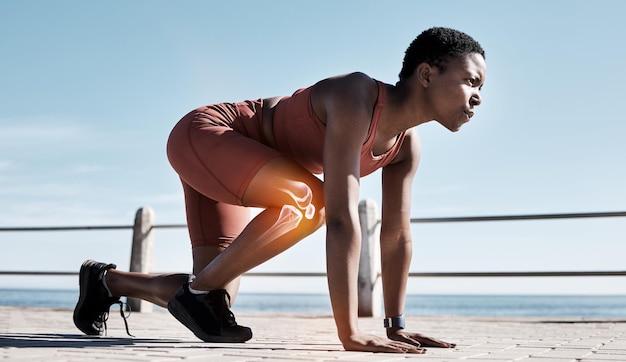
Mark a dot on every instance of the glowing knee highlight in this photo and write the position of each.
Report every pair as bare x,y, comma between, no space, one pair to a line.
305,201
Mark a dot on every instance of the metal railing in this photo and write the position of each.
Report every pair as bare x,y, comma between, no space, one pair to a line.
369,269
586,215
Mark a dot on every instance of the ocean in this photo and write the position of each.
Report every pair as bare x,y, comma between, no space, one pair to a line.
608,306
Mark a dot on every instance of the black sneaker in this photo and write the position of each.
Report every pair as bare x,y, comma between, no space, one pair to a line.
92,309
208,315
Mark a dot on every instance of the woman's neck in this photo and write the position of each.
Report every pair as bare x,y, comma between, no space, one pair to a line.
405,109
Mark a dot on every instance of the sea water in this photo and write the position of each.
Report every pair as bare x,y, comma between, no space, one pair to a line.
586,306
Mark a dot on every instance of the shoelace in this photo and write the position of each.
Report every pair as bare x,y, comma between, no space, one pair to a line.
227,316
102,318
230,317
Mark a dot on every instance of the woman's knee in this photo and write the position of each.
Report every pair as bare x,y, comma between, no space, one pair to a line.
281,182
309,199
300,207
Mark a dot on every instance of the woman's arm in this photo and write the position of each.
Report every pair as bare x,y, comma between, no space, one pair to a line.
347,108
395,238
395,235
347,123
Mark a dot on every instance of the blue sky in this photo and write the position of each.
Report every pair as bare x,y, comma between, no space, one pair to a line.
89,92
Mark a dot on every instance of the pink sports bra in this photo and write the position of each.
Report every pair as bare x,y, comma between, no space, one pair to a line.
299,133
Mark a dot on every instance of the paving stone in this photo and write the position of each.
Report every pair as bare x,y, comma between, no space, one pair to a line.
39,334
564,353
602,357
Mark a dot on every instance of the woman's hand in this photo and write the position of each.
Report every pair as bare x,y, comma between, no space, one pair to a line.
370,343
416,339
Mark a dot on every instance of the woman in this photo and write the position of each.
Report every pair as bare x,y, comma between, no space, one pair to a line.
265,153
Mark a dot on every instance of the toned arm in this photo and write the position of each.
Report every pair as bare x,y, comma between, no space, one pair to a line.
348,113
346,105
396,246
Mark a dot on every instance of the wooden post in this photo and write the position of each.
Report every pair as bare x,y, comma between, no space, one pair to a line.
370,285
142,252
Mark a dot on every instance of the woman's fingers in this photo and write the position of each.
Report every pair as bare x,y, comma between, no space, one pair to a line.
372,343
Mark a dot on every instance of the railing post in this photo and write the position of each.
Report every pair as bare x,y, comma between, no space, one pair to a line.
370,286
141,252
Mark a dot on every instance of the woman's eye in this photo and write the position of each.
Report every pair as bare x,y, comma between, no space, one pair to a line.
472,81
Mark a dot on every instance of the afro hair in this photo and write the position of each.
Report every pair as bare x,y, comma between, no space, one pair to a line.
435,47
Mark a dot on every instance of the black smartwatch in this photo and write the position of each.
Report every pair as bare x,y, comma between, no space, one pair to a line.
394,322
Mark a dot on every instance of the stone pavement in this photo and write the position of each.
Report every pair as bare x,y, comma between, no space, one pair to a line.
38,334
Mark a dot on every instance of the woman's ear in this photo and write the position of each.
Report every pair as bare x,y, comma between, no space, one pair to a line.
424,72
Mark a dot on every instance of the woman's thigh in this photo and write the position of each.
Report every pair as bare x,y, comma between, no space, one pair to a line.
216,161
215,165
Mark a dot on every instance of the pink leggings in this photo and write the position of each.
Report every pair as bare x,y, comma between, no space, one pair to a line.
216,151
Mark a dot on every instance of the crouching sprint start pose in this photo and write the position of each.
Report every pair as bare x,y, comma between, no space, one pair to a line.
264,153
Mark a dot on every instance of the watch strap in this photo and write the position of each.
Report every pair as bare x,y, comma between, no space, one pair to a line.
394,322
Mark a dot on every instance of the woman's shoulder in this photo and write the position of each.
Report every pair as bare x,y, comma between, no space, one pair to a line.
347,91
355,82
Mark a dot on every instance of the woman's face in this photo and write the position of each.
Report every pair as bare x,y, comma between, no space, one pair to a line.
455,92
